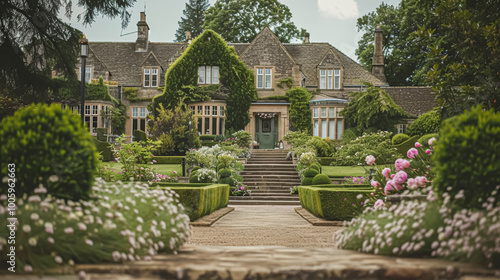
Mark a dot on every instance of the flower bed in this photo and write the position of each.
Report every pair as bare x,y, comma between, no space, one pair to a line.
200,200
336,202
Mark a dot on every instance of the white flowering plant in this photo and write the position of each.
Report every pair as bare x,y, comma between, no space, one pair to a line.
123,221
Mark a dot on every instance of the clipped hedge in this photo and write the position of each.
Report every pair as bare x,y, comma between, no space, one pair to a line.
321,179
405,146
307,181
333,203
316,166
105,150
325,161
425,124
168,159
224,172
207,137
139,135
201,200
399,138
310,172
208,143
100,133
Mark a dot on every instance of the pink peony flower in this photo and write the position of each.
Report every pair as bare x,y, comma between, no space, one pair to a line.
68,230
386,172
412,184
388,187
431,141
421,180
51,240
405,163
392,176
375,184
427,151
379,203
28,268
417,145
412,153
399,164
242,188
370,160
400,177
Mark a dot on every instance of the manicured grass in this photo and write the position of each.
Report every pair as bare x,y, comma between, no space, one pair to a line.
159,168
343,171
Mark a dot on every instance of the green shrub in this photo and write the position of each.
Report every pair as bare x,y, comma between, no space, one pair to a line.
424,140
467,157
332,203
195,169
310,172
243,138
221,166
316,166
425,124
321,179
168,159
97,91
140,135
226,160
228,180
349,135
300,112
275,97
207,137
47,145
225,172
208,143
405,146
399,138
104,149
200,201
322,148
100,134
307,181
325,161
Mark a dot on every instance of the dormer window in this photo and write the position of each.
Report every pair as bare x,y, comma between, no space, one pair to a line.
208,75
264,78
150,77
329,78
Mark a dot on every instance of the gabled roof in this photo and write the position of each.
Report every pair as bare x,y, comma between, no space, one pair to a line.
330,60
413,100
263,33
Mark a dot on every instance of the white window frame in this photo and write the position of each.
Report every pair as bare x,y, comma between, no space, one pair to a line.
322,79
142,112
95,109
260,77
88,74
268,78
401,128
154,77
215,75
315,113
330,79
208,75
336,79
135,112
323,110
87,110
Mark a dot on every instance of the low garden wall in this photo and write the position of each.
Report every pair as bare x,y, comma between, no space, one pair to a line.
199,199
333,202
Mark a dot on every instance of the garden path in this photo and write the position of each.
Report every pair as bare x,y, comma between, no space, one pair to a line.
264,225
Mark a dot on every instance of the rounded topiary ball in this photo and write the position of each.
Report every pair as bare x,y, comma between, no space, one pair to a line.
316,166
321,179
466,157
227,180
225,172
307,181
424,140
399,138
49,147
310,172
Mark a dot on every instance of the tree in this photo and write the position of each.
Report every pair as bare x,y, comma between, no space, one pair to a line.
194,18
34,41
404,57
372,109
300,112
464,59
239,21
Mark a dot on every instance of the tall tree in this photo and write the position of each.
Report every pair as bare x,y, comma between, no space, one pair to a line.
404,57
193,21
239,21
34,41
464,59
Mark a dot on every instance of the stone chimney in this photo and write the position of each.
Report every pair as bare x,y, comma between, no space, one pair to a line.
141,45
188,36
306,39
378,56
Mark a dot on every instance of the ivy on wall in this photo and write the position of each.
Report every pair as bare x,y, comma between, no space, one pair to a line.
209,49
300,112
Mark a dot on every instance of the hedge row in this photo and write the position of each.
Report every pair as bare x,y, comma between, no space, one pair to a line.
104,149
325,161
168,159
405,146
207,137
208,143
201,200
334,203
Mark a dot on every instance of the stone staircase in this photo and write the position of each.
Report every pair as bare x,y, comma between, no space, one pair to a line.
269,176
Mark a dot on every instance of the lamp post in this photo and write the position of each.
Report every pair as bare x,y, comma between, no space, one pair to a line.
84,44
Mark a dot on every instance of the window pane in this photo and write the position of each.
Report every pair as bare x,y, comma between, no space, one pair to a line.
340,128
207,126
214,126
331,129
330,79
143,112
323,128
147,78
221,126
315,128
268,78
338,111
134,125
200,108
215,75
260,78
87,122
209,74
135,112
331,112
323,112
200,123
322,79
315,112
214,110
337,79
207,110
94,109
87,109
222,111
201,75
154,78
192,110
88,74
143,125
94,123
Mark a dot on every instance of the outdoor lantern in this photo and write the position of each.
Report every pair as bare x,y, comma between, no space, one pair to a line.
281,144
372,173
84,44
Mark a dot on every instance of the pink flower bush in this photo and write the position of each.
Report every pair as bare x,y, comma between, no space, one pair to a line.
370,160
401,164
417,145
375,184
431,141
412,184
400,177
379,204
412,153
386,172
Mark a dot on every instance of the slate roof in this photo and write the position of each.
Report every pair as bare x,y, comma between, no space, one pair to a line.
413,100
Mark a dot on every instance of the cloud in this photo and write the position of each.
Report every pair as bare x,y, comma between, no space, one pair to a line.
339,9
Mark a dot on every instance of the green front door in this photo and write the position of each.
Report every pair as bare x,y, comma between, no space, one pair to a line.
266,132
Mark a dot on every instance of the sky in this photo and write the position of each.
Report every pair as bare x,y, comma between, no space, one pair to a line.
331,21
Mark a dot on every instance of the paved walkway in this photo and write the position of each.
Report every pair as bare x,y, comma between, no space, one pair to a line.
264,225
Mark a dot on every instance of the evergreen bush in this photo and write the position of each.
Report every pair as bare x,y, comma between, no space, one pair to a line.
425,124
467,157
424,140
323,149
228,180
315,166
49,146
300,112
321,179
225,172
399,138
140,135
310,172
307,181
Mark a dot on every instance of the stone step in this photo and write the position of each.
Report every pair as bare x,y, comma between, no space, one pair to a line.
271,193
259,197
270,176
264,202
268,160
269,156
270,179
276,170
277,184
267,172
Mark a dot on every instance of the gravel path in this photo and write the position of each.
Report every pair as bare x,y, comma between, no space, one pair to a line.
263,225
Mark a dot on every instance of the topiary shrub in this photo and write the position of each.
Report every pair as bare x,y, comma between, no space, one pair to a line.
399,138
139,135
316,166
322,148
225,172
221,166
104,149
307,181
47,145
228,180
467,157
100,134
321,179
424,140
243,138
310,172
195,168
425,124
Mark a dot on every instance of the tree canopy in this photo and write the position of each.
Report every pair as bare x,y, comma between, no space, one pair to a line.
193,21
373,108
239,21
34,41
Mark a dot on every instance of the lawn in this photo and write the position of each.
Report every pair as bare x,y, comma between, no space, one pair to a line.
159,168
343,171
